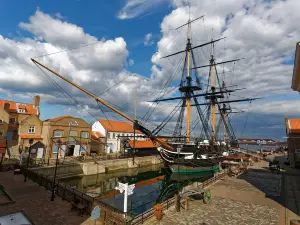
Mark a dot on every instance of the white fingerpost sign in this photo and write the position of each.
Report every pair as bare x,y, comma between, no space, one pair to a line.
128,190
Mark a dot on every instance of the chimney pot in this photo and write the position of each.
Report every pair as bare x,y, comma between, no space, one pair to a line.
6,106
36,101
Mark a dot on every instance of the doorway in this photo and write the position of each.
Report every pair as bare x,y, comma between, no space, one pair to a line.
70,150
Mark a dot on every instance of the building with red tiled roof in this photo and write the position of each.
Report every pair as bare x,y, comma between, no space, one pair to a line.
97,143
23,120
114,131
23,108
293,141
142,147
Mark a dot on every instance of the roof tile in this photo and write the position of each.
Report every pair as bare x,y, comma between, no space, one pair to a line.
117,126
29,108
294,125
29,136
142,144
96,135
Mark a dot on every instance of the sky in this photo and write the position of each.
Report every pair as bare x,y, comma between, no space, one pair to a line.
113,48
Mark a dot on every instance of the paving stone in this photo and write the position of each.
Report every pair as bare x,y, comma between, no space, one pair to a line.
222,211
33,200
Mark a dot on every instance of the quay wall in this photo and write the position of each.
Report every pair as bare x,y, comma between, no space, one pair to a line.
98,167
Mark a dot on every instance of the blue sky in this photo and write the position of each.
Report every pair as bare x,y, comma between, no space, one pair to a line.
98,18
265,35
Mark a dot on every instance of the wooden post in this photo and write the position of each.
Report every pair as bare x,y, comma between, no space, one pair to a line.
177,202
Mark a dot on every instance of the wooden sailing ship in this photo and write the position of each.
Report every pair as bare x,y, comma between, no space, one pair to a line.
205,153
181,152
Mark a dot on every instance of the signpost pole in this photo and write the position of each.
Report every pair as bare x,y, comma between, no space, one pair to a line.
125,197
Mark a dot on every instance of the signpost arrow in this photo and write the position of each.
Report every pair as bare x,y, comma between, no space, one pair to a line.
128,190
95,213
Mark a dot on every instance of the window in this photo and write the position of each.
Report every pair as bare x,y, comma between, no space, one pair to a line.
21,111
73,133
55,149
58,133
31,129
114,135
1,121
83,148
84,134
1,133
12,120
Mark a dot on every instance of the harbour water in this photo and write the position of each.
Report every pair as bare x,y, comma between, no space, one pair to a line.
153,185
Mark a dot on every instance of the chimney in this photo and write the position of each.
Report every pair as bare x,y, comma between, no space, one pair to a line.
36,103
6,107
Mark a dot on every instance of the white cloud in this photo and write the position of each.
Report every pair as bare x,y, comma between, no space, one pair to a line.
264,32
97,67
148,40
136,8
265,35
131,62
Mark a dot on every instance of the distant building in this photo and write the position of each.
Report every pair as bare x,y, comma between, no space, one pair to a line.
23,124
97,143
113,131
4,120
142,147
293,140
74,133
255,141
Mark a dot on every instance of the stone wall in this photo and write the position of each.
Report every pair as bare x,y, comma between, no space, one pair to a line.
90,168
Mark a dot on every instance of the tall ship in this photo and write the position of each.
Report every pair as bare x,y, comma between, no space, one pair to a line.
184,151
211,105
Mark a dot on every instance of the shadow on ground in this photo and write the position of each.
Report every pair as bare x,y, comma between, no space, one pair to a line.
282,187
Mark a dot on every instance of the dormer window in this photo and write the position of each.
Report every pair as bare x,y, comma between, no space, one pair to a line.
21,111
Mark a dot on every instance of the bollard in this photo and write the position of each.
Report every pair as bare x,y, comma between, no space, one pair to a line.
295,222
186,203
158,211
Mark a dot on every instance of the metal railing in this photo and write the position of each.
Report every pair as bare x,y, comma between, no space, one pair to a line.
70,194
141,218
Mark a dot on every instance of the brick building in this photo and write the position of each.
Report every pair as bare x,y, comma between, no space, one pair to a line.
23,124
293,140
75,134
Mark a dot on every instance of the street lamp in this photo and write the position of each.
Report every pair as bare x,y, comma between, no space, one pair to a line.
58,143
30,143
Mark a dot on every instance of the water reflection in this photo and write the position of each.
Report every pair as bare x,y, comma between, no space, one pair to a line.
153,185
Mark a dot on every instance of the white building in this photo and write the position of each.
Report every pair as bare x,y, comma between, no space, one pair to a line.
112,130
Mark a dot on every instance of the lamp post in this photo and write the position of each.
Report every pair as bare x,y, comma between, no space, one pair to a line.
58,143
30,144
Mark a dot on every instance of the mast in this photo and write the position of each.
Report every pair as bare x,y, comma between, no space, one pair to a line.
213,106
188,100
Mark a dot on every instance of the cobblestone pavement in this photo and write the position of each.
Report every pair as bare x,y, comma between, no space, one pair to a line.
35,202
252,199
268,183
221,211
